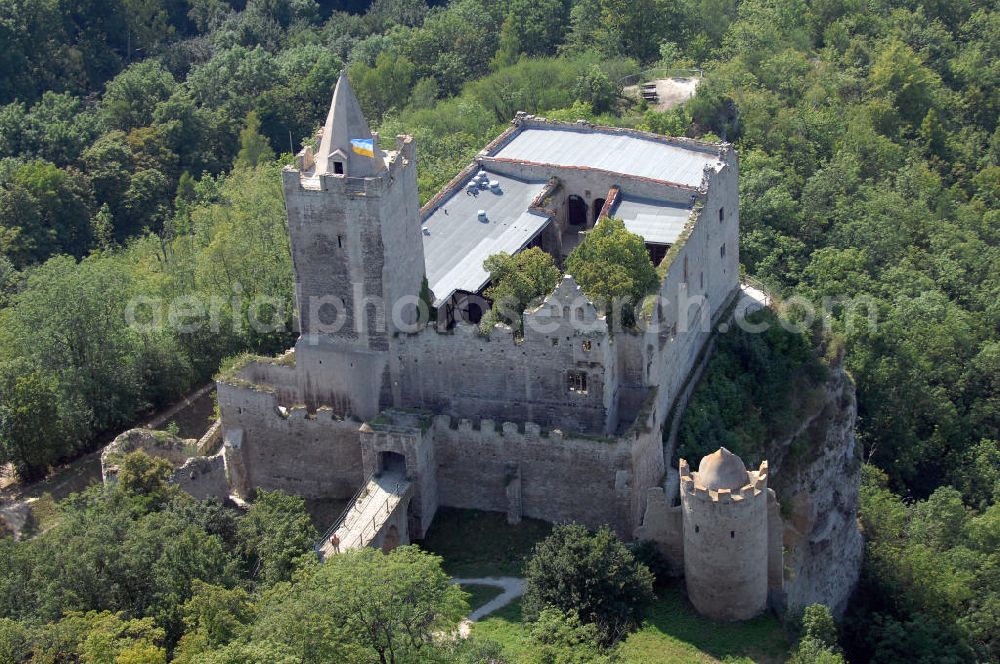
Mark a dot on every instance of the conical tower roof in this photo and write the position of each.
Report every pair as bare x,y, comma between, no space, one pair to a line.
345,122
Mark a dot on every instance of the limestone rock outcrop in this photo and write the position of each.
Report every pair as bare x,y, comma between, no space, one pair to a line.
818,492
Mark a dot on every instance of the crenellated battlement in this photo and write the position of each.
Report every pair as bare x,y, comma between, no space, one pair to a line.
755,486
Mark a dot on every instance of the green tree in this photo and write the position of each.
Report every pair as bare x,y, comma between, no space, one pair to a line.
275,531
560,638
254,148
899,74
385,86
43,211
819,644
612,267
532,29
593,574
519,281
88,346
145,478
103,636
595,88
131,97
31,433
15,641
362,606
214,617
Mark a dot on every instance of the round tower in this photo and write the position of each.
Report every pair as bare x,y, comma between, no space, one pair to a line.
725,536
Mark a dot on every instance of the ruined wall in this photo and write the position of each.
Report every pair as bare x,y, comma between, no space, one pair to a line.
562,478
310,455
203,477
462,373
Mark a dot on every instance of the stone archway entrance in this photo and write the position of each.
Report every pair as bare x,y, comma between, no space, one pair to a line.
392,462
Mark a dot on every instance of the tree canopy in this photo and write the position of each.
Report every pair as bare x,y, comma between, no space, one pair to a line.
613,268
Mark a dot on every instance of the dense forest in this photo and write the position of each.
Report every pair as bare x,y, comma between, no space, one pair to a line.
140,142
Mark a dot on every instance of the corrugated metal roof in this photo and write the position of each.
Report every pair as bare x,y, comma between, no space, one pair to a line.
456,243
618,153
658,222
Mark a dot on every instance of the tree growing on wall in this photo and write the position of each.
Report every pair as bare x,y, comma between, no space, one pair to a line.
517,282
612,267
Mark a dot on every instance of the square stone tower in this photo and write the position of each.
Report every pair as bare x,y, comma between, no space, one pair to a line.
357,253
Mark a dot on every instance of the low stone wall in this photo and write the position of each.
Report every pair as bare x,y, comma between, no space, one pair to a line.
155,443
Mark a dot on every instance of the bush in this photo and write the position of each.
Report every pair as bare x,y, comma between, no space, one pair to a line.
648,554
593,574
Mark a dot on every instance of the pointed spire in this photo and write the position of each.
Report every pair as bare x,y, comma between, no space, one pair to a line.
345,122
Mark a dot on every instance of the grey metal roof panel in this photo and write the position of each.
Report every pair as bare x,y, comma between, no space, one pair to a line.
658,222
615,152
456,243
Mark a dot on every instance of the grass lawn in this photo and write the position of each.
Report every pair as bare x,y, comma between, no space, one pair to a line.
475,543
672,634
507,628
479,595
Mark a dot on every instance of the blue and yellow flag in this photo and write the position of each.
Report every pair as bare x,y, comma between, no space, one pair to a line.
364,146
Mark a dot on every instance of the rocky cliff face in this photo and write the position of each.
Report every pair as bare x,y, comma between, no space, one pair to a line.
816,474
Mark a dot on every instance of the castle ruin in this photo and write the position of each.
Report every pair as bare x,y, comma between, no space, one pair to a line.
400,415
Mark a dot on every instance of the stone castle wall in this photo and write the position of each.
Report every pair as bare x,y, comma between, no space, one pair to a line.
310,455
461,372
562,478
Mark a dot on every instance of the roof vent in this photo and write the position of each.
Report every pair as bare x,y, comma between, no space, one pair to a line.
495,185
482,216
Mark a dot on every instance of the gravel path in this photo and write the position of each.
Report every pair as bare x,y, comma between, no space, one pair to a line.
512,586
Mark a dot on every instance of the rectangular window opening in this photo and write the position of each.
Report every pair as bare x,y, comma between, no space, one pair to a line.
577,381
338,167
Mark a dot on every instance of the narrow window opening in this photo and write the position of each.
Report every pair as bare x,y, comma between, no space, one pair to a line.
701,277
732,534
340,241
696,527
722,251
338,167
722,214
